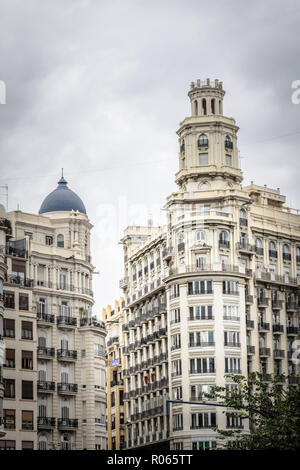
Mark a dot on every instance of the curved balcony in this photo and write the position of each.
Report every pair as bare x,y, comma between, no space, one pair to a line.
44,319
45,386
45,423
67,424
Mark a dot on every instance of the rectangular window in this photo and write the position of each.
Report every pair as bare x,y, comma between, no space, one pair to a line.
9,300
203,420
177,393
203,159
174,291
7,445
27,420
27,330
27,389
176,368
200,312
200,287
9,388
177,422
175,315
9,328
27,360
228,160
232,365
10,358
230,287
9,417
202,365
27,445
49,240
23,302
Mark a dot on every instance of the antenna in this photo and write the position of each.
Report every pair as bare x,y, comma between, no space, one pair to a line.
62,172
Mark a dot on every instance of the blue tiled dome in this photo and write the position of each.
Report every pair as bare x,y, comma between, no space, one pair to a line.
62,199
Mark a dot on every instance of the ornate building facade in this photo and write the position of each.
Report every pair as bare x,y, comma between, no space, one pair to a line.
116,418
215,291
48,303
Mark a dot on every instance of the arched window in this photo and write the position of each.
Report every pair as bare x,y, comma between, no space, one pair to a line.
204,110
286,253
196,107
220,107
213,106
182,146
243,217
228,143
60,241
203,140
272,250
258,246
298,254
43,443
223,240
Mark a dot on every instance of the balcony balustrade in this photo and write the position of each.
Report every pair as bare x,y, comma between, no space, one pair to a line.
66,354
67,388
45,386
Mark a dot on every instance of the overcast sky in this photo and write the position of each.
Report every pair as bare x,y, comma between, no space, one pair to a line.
99,88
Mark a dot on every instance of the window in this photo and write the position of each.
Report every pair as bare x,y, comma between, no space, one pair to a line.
200,312
9,388
204,109
27,445
203,159
223,240
177,393
202,365
286,254
201,338
99,350
27,420
60,241
203,420
228,160
232,338
200,235
176,368
272,250
121,397
9,417
9,328
48,240
23,302
27,389
175,341
231,312
175,315
174,291
10,358
232,365
7,445
177,422
27,330
27,360
9,300
230,287
203,140
197,392
199,287
233,421
228,143
204,445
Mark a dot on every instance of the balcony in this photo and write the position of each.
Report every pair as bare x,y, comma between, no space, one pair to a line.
232,344
273,254
113,340
264,352
224,244
45,423
291,306
67,424
250,350
44,319
262,301
44,386
277,304
286,256
168,253
278,353
66,355
202,344
294,380
66,388
20,281
245,247
91,323
180,246
264,326
292,330
259,251
277,328
249,299
124,283
45,353
265,377
249,324
66,322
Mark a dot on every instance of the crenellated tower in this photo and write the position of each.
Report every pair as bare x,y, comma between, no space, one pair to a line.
208,141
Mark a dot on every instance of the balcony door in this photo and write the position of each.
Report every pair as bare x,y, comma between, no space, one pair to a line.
42,411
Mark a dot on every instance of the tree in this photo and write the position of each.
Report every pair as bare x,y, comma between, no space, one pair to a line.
272,408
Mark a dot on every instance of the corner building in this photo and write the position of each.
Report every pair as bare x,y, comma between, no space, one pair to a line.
215,291
60,346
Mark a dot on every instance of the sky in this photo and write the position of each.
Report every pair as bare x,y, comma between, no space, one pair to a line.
98,87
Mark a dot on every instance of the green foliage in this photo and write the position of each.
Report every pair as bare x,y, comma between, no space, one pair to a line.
272,408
